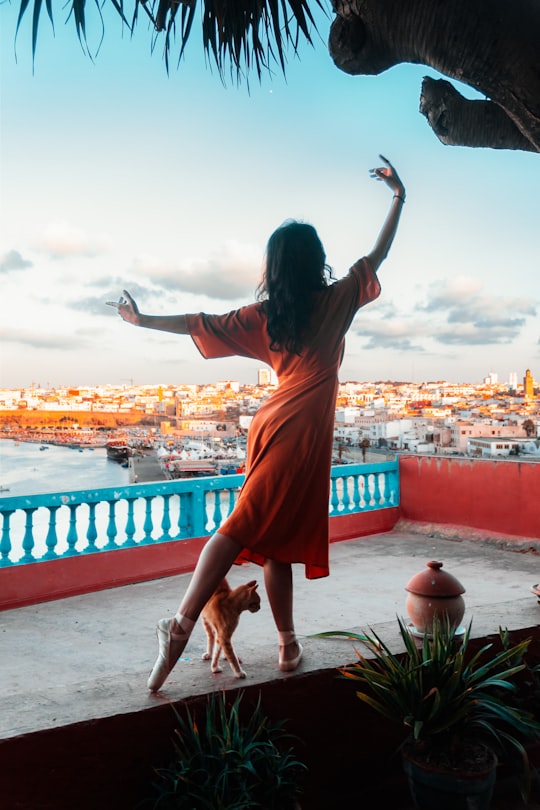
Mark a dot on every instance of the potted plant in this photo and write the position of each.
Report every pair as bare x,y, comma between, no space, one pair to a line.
452,701
225,763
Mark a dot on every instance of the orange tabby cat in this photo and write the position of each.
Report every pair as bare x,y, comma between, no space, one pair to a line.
220,619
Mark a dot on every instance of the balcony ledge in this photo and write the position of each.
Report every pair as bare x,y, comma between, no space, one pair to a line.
73,675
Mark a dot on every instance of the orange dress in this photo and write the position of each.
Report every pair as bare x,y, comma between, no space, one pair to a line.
282,508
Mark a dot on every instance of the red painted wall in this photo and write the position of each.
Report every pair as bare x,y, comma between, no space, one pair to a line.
493,496
360,524
55,579
36,582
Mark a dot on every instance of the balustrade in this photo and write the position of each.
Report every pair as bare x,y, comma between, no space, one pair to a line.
64,524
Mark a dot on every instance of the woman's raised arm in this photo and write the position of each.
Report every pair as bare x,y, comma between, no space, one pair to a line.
390,177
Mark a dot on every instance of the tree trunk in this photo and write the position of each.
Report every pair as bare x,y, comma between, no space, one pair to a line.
458,121
491,45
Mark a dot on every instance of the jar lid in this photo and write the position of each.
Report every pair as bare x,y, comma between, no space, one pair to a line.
434,582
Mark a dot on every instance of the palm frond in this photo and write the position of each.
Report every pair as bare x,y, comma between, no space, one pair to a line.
78,12
243,35
35,19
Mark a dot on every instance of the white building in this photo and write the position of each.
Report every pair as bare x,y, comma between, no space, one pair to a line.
347,416
391,431
244,421
490,447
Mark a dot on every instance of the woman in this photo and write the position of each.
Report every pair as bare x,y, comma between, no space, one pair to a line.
297,327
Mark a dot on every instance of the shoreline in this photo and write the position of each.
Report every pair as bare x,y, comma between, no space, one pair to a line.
59,439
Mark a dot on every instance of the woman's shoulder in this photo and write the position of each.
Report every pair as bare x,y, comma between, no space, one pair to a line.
361,267
359,285
360,271
248,317
251,313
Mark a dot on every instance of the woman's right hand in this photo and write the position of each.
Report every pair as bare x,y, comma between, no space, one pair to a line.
389,176
128,309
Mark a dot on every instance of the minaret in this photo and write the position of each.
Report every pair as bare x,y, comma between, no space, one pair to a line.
528,385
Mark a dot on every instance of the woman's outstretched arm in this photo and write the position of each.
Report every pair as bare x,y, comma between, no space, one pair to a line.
390,177
129,311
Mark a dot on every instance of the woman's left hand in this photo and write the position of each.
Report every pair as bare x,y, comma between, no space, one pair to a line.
128,309
389,176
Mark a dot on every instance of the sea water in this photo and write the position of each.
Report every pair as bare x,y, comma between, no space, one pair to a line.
25,469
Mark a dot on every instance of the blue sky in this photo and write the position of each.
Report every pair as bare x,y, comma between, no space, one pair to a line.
115,174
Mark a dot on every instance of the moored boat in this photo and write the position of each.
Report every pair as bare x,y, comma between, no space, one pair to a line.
117,450
191,468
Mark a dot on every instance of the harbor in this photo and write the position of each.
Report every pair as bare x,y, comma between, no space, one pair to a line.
77,464
144,468
57,437
146,456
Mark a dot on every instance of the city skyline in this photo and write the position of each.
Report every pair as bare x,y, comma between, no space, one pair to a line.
115,175
264,377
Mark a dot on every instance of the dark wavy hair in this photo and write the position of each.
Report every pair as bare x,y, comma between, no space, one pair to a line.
295,267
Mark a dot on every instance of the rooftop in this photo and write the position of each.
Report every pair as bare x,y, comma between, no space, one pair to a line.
79,661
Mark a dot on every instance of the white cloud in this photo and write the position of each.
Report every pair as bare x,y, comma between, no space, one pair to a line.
43,339
396,333
453,292
61,239
467,316
229,274
13,260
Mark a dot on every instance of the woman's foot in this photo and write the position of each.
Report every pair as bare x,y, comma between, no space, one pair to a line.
172,639
290,651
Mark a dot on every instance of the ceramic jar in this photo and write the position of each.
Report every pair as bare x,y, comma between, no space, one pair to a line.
434,592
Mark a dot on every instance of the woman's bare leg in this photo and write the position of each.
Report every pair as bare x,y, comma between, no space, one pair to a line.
215,560
214,563
279,588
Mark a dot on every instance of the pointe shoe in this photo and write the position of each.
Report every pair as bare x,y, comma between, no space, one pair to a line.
164,664
289,665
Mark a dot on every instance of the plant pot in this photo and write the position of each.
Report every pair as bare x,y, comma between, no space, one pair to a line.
434,593
434,788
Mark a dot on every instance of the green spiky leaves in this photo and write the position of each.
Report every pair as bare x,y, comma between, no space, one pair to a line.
242,35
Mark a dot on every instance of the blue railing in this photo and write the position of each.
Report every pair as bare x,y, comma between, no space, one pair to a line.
64,524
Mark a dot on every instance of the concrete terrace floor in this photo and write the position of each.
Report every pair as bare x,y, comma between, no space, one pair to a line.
88,657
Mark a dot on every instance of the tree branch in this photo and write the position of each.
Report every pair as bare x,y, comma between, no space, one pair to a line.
457,121
491,45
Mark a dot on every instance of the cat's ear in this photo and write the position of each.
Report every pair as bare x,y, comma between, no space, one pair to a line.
252,584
